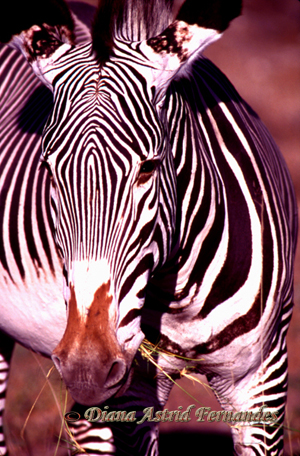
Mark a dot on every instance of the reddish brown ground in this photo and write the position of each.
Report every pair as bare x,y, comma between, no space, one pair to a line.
261,55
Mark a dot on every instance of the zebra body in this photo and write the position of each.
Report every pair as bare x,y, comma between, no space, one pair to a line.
174,216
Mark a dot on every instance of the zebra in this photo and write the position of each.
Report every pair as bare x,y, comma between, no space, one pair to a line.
161,208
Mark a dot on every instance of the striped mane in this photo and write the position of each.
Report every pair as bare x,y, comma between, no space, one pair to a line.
136,20
131,20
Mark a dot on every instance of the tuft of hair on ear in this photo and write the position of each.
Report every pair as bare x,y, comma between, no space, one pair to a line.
21,15
130,20
214,14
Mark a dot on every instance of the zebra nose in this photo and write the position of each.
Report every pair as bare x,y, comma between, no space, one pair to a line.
90,381
109,374
89,357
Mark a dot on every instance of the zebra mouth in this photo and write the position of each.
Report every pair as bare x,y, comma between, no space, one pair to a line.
91,393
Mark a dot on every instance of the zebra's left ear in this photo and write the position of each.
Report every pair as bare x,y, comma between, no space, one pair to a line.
174,50
198,24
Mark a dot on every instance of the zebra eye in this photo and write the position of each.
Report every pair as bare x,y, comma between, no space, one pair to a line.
147,167
146,171
45,164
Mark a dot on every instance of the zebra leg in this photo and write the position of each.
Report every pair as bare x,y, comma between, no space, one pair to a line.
147,394
114,439
6,348
93,438
263,393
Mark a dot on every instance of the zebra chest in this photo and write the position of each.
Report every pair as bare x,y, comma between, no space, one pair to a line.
34,313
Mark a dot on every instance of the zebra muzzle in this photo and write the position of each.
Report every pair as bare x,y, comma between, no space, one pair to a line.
89,357
91,383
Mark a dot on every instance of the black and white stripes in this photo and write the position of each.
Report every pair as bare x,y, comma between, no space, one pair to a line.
173,215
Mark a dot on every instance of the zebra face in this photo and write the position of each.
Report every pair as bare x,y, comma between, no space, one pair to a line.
113,179
112,171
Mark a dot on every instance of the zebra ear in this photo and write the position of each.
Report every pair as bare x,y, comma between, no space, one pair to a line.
198,24
174,50
39,30
42,46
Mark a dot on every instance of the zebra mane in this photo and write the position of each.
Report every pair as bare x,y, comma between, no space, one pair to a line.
131,20
136,20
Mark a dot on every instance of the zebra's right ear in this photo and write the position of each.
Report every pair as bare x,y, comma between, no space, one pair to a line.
42,46
198,24
42,31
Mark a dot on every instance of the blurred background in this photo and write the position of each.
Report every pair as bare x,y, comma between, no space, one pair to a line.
260,54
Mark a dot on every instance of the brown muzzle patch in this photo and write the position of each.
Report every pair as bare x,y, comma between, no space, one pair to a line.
89,357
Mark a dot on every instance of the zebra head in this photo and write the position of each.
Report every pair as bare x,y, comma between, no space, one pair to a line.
113,178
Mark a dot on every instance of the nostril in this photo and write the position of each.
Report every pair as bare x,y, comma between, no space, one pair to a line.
116,373
57,363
